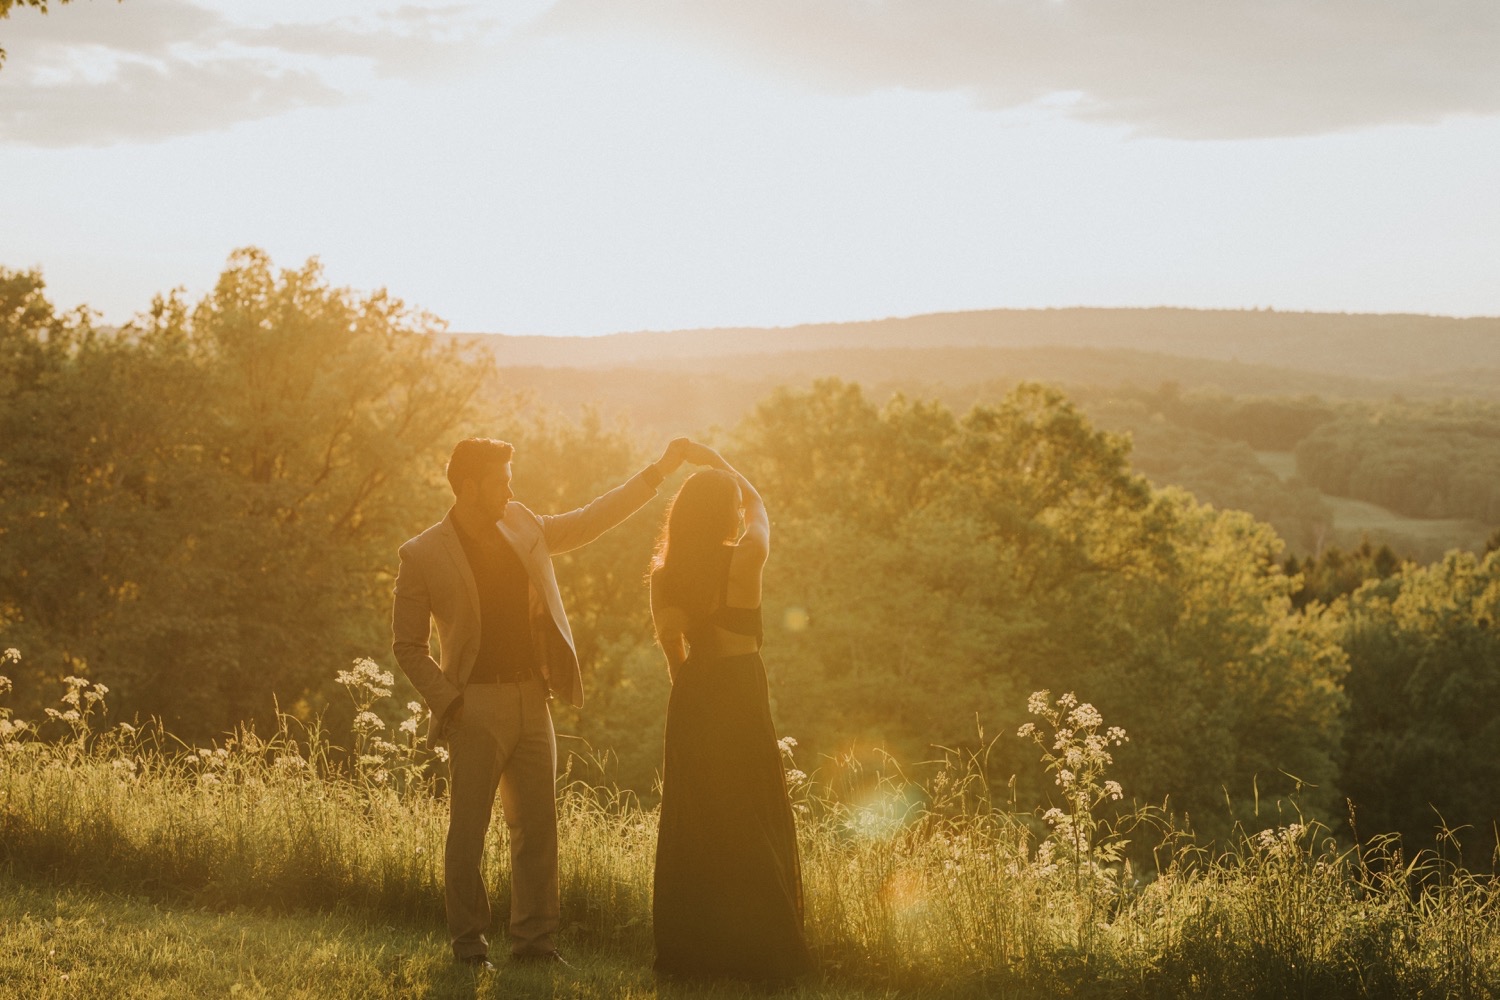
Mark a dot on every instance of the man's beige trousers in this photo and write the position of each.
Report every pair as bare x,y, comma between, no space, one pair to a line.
504,741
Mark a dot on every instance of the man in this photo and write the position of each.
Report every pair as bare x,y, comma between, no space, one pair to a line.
484,573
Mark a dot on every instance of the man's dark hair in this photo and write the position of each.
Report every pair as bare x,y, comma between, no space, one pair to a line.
473,458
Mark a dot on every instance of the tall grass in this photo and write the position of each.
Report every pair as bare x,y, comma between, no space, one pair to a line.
913,879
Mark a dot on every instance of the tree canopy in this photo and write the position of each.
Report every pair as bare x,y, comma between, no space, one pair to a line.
946,566
200,501
1423,684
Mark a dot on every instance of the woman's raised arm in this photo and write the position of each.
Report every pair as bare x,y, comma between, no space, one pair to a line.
754,546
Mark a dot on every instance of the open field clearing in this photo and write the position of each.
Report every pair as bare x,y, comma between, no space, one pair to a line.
287,866
1354,520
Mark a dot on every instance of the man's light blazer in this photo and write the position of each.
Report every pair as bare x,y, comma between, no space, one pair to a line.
435,583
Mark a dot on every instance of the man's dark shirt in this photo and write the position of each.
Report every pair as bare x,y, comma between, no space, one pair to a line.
505,650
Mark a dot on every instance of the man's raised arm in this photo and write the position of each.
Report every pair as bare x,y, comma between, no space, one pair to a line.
579,527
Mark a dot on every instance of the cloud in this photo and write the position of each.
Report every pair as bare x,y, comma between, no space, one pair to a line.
98,73
141,102
409,43
1198,69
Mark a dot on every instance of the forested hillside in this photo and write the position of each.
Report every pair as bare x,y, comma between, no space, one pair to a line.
1425,461
201,511
1309,462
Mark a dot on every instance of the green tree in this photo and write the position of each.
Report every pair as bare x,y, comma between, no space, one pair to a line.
1423,684
1334,573
1424,460
930,570
79,455
210,497
1174,445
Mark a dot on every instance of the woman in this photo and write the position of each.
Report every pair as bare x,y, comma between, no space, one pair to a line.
728,887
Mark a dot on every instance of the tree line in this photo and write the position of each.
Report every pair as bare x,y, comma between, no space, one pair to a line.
201,510
199,506
1231,450
1426,460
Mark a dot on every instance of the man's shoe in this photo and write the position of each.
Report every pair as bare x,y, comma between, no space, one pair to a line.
539,957
479,963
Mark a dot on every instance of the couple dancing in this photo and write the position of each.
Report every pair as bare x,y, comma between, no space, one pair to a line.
728,890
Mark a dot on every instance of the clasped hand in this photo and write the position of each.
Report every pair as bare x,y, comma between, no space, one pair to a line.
681,450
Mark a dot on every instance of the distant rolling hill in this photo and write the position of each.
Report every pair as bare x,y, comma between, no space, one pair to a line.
1121,365
963,357
672,394
1357,346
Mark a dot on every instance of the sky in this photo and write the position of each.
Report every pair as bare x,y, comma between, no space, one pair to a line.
592,166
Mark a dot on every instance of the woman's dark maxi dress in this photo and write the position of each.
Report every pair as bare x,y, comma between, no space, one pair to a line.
728,886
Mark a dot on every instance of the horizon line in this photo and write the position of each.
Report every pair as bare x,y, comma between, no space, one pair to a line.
742,327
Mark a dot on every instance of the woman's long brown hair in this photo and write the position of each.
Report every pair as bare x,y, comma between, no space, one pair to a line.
701,521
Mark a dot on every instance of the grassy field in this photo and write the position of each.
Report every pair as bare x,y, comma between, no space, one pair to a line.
69,941
289,866
1354,520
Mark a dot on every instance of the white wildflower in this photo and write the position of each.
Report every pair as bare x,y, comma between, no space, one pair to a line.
367,674
1084,716
368,720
